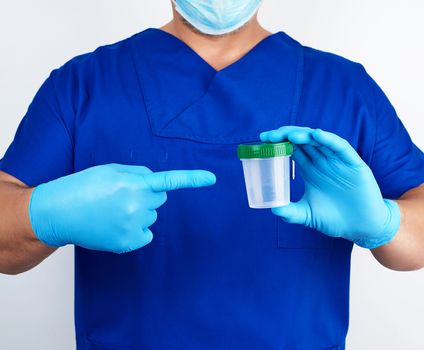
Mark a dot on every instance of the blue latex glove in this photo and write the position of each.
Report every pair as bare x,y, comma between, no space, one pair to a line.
108,207
342,197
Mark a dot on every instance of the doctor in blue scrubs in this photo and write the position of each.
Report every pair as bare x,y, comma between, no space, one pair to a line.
129,153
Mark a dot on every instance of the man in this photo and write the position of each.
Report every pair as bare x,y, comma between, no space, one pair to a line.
111,135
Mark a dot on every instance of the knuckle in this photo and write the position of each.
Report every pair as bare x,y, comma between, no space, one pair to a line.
147,237
345,144
142,239
163,198
125,222
131,208
318,132
150,218
143,183
115,181
154,216
130,220
104,171
109,168
145,169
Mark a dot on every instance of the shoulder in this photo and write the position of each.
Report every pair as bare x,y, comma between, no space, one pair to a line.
339,75
333,66
86,64
72,84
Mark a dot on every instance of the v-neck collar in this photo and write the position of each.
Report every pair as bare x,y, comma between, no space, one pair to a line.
257,46
186,98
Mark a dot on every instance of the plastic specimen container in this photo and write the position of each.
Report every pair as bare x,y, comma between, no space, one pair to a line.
266,169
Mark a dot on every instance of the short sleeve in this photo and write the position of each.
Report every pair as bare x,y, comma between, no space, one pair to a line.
397,163
42,147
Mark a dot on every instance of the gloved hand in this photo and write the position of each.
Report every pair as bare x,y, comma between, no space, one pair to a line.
108,207
342,197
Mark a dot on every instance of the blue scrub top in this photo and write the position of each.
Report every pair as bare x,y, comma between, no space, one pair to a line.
218,275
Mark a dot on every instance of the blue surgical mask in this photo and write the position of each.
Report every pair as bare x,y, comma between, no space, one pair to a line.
217,17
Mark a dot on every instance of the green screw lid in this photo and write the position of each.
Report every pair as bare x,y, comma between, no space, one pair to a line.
265,150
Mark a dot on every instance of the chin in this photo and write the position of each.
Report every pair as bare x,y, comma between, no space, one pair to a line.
197,31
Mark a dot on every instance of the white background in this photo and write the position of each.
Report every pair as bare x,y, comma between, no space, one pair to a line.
387,308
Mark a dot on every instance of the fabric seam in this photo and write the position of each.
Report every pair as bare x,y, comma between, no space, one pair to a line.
58,117
298,85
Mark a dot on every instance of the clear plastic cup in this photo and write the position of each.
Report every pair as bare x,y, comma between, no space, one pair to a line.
266,169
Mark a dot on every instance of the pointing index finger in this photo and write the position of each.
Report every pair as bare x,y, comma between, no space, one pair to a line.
178,179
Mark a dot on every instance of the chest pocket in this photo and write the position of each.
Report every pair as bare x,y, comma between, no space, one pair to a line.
290,236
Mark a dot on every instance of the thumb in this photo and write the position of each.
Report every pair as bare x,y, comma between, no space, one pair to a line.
294,213
177,179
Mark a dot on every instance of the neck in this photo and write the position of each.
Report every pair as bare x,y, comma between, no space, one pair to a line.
221,50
